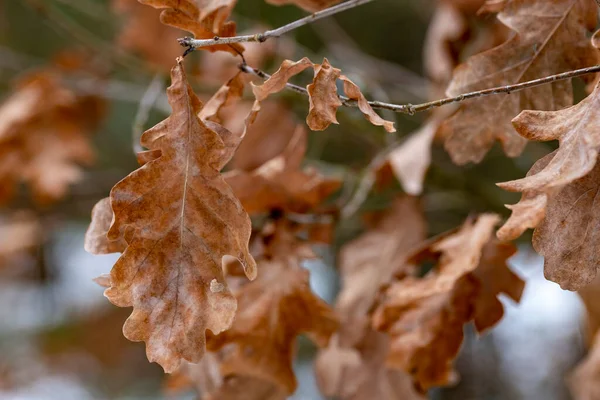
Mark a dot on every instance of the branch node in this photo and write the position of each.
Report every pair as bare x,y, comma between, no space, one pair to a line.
260,37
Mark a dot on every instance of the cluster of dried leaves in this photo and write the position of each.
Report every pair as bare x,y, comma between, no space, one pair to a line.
220,300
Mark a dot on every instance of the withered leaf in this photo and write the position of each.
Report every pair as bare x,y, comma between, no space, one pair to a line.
204,19
277,81
410,161
425,316
273,310
280,183
42,110
559,191
353,92
184,219
538,48
323,97
348,373
353,366
96,241
227,95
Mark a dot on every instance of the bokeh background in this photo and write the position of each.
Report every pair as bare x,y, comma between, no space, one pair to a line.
61,339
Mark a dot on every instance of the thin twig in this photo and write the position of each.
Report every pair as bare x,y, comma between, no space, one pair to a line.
261,37
146,103
411,109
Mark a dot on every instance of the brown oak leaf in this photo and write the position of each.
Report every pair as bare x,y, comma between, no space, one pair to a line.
273,310
42,110
537,49
280,183
323,98
205,19
559,191
227,95
179,219
353,366
410,160
353,92
322,92
425,316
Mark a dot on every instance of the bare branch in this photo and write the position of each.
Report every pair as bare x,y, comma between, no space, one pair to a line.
411,109
193,44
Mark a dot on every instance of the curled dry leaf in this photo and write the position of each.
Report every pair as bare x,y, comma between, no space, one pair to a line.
322,92
559,191
227,95
277,81
179,219
323,98
353,92
205,19
96,241
353,366
410,161
280,183
41,110
425,316
538,49
308,5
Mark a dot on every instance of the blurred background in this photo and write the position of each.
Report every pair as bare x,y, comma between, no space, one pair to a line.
61,339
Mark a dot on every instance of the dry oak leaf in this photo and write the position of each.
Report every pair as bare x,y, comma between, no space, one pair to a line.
353,92
559,191
353,366
322,92
584,381
361,373
273,310
410,160
205,19
185,219
308,5
551,37
425,316
205,377
322,97
227,95
369,261
41,110
280,183
144,33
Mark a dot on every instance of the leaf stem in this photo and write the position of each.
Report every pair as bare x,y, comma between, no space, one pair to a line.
193,44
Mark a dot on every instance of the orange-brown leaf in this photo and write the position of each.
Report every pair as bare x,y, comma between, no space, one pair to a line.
277,81
180,219
323,97
280,183
354,93
204,19
425,316
410,161
353,366
41,110
551,37
273,310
